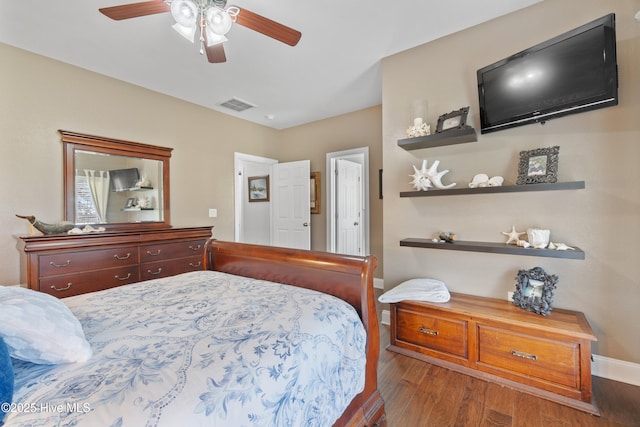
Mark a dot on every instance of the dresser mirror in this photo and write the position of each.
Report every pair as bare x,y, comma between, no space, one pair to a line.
115,184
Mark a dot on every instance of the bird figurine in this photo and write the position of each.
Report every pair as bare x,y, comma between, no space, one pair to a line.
61,227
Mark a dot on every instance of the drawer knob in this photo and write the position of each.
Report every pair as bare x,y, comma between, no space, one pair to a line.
158,271
116,256
198,264
154,253
524,355
60,265
61,289
122,278
195,248
427,331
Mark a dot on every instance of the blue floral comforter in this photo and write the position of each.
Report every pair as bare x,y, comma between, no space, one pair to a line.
201,348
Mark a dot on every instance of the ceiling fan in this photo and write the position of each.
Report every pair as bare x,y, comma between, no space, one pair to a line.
211,18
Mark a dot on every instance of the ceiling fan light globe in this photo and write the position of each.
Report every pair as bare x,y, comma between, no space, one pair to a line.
213,38
186,32
184,12
218,21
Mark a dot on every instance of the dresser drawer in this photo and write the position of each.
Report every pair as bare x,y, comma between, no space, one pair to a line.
432,332
80,283
553,361
162,251
155,270
72,262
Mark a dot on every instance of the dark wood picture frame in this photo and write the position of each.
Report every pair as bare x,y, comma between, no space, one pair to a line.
314,193
258,188
453,120
538,166
534,290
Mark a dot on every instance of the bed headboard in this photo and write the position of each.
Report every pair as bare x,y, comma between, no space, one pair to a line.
349,278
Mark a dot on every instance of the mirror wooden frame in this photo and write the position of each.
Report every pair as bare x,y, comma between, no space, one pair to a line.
73,141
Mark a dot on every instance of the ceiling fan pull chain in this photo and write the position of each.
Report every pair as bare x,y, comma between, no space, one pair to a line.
202,26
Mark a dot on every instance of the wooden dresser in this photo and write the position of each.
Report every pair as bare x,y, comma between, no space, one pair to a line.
548,356
65,265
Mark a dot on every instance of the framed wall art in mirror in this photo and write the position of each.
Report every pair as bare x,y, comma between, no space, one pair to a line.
103,175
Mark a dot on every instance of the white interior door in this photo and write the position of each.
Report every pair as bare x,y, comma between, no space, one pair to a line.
290,204
349,208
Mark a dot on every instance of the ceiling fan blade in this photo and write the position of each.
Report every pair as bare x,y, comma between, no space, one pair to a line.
215,53
135,10
268,27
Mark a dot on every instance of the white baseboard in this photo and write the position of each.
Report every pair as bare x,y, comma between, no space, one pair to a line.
378,283
604,367
617,370
385,319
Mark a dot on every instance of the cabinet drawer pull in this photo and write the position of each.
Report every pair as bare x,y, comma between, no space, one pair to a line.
424,330
158,271
524,355
154,254
60,265
61,289
196,248
195,265
116,256
122,278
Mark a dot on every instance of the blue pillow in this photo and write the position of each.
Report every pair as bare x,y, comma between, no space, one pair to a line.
6,380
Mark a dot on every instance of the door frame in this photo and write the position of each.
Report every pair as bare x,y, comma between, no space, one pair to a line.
240,183
357,155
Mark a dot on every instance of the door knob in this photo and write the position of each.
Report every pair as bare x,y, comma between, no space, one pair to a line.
355,223
306,224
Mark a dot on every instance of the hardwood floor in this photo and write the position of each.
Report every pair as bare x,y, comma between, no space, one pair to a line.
420,394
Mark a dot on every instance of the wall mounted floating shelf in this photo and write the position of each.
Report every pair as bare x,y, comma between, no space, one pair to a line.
490,247
449,137
572,185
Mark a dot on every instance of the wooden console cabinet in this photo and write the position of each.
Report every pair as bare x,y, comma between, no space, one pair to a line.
65,265
548,356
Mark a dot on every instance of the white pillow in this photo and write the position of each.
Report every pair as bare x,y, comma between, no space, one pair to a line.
423,289
39,328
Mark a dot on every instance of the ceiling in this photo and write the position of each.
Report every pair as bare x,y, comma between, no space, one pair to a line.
334,69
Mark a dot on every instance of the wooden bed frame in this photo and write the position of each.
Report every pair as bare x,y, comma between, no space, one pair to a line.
349,278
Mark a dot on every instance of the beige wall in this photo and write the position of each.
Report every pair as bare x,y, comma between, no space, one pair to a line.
314,140
600,147
40,96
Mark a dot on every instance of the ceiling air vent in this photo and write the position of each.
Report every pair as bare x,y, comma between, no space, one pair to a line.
236,104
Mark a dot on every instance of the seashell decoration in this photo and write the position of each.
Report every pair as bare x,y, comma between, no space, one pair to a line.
495,181
482,180
538,238
425,178
419,128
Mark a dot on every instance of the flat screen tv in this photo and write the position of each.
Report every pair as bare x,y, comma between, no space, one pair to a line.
574,72
124,179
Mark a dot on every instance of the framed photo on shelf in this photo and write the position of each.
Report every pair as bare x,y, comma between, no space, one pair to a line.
453,120
258,188
314,190
131,202
534,290
538,166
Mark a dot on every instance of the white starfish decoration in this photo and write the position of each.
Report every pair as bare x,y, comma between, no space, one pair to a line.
513,235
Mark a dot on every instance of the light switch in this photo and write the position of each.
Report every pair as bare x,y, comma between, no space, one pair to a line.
213,213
